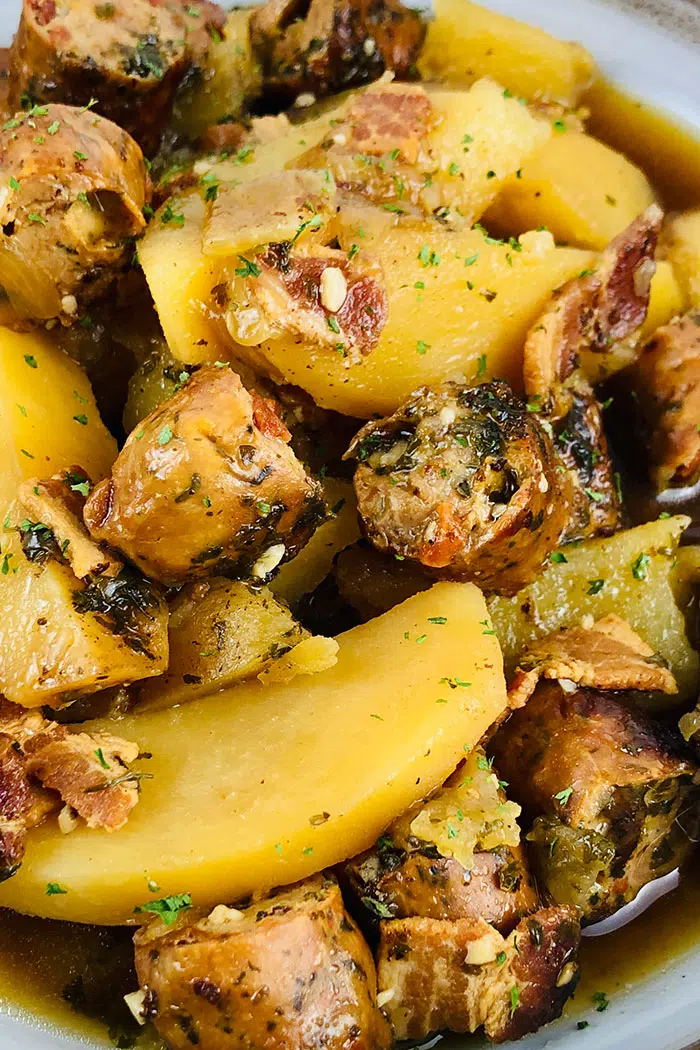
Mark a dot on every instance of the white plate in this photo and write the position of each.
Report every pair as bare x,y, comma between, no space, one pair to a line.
653,49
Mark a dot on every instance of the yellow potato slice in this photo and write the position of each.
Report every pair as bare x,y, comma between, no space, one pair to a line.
262,785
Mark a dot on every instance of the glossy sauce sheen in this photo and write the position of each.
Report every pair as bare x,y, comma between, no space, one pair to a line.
74,976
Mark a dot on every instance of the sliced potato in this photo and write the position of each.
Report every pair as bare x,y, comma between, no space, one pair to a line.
50,652
260,786
681,244
221,89
580,189
632,574
314,561
438,325
466,41
220,633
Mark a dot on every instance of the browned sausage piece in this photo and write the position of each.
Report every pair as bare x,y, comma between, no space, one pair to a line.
129,56
72,191
610,792
289,971
606,655
667,377
331,45
23,805
457,856
461,975
207,484
464,481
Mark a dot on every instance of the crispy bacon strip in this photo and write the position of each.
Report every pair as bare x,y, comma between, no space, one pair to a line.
606,655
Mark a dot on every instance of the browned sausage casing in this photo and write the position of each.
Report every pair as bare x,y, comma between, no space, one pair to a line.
129,56
463,480
72,191
333,45
207,484
289,971
610,792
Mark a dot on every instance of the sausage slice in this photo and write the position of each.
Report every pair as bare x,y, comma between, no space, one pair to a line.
288,971
464,481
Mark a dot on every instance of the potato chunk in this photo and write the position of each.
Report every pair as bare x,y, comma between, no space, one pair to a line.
207,483
220,633
467,41
681,246
50,650
293,964
580,189
630,574
232,808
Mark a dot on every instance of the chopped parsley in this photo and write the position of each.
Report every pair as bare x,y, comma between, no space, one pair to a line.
81,418
333,325
31,360
169,216
421,347
101,758
481,365
639,566
601,1000
167,907
514,999
428,257
247,269
563,797
501,958
379,909
437,619
78,155
53,889
33,217
558,557
165,435
595,586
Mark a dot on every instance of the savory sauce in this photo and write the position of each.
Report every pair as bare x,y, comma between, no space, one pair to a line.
74,977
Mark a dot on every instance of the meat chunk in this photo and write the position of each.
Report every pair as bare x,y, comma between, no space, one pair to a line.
462,480
43,763
606,655
372,583
283,281
461,975
331,45
610,794
667,377
57,504
291,970
457,856
71,200
206,485
129,57
590,312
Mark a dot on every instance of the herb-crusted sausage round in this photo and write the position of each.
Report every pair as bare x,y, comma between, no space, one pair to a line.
72,191
129,56
464,481
207,484
289,971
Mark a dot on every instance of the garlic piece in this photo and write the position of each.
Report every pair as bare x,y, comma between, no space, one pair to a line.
334,289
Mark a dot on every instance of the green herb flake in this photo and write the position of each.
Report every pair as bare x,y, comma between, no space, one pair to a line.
101,758
30,360
14,183
420,639
379,909
558,557
639,566
165,435
481,365
81,418
53,889
167,907
562,797
595,586
78,155
437,619
421,347
333,324
53,127
33,217
601,1000
514,999
248,268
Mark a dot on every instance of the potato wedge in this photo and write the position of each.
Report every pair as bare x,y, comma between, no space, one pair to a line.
262,785
681,245
438,325
230,78
631,574
50,652
466,41
314,561
581,190
220,633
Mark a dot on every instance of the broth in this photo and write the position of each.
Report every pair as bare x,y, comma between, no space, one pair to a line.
73,977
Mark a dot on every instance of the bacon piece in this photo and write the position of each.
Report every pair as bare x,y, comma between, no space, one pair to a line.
592,311
266,416
43,763
668,377
607,655
461,975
